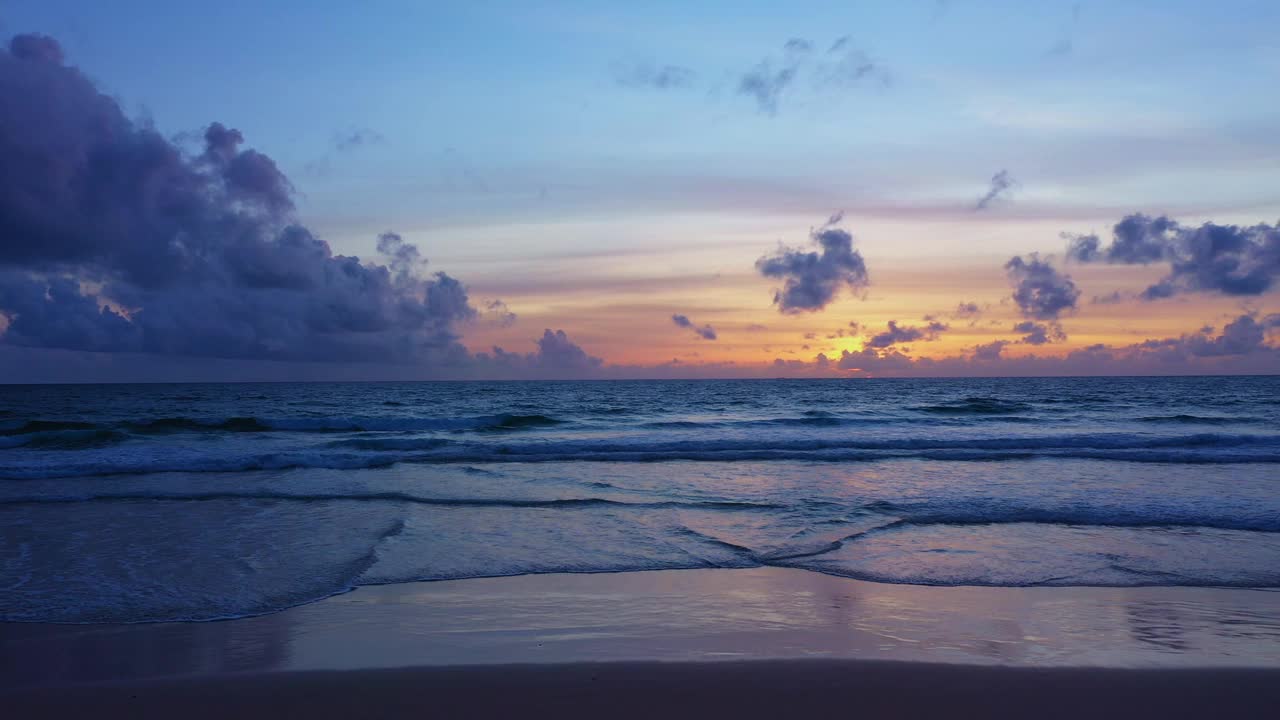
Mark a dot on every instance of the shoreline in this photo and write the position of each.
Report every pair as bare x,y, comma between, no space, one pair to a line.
764,614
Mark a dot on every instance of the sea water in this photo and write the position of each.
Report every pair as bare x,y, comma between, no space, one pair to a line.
127,503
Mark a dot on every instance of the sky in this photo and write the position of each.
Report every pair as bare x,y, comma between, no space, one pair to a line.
407,190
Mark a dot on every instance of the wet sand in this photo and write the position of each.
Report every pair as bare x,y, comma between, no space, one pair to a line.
747,643
759,689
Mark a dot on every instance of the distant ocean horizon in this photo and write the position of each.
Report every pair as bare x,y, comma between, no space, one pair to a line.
200,501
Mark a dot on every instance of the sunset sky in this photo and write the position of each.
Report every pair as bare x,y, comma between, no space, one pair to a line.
657,180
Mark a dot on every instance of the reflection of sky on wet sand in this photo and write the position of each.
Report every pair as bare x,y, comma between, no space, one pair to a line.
677,615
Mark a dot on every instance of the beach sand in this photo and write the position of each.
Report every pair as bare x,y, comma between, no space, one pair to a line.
756,689
693,643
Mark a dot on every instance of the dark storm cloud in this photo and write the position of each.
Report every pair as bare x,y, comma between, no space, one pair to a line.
705,332
1000,183
646,75
36,47
812,279
896,334
1035,333
115,239
1040,291
1226,259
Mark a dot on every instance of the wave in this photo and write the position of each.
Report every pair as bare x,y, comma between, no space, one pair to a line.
64,439
1197,419
39,426
183,424
373,452
170,425
975,406
386,444
258,495
1075,516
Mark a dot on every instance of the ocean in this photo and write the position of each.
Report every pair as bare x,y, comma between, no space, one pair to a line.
137,503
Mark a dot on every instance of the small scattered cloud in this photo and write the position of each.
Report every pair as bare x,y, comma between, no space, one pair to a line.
1000,185
657,77
989,352
356,138
813,279
1035,333
706,332
1040,291
496,311
841,67
896,334
846,66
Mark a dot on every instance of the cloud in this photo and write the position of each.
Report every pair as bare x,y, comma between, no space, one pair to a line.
1000,184
1242,336
966,310
115,239
846,67
556,356
869,360
1040,291
498,312
1240,347
646,75
811,279
990,352
841,67
1040,333
1224,259
705,332
357,138
896,334
765,84
1061,48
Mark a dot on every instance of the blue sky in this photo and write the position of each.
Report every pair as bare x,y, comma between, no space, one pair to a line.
519,143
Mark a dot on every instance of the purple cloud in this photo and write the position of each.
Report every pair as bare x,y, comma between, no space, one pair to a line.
1001,182
896,334
1040,291
1040,333
812,279
706,332
118,240
1224,259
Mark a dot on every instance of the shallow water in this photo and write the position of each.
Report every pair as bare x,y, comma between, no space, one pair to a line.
137,503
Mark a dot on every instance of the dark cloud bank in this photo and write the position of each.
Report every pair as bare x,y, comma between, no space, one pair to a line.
117,240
